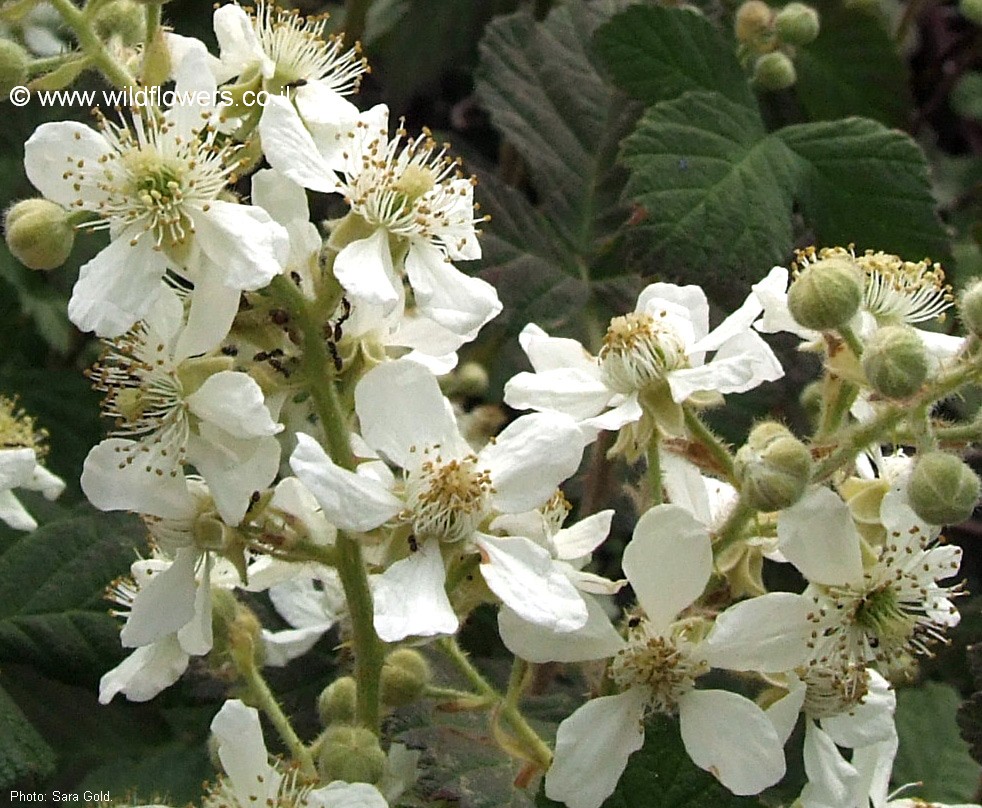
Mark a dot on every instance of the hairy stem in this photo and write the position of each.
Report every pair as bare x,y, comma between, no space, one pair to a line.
92,45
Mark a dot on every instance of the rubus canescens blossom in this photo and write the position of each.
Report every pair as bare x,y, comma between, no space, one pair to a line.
412,213
668,563
660,348
20,465
172,410
155,183
445,499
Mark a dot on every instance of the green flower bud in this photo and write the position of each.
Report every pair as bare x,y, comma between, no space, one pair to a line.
126,19
774,71
351,754
468,380
753,21
405,675
811,401
338,701
971,10
39,234
970,308
13,66
942,489
895,361
826,294
797,24
773,467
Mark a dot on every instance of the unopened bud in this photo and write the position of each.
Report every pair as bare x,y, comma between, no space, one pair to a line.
351,754
797,24
338,701
826,294
895,361
125,19
970,308
971,10
470,380
13,66
405,675
773,467
774,71
942,489
753,21
38,233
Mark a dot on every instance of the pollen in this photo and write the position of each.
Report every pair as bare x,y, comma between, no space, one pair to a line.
639,349
447,499
19,430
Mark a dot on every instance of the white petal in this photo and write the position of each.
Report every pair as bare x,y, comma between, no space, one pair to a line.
364,268
685,486
869,722
16,467
738,322
627,412
783,713
530,458
769,633
446,295
243,242
310,600
346,795
164,604
145,672
279,196
583,537
118,286
327,114
239,46
831,779
233,401
15,515
213,308
668,562
550,353
818,536
349,500
111,484
196,636
598,639
574,391
731,738
522,574
592,749
55,148
282,647
233,467
745,362
401,408
242,750
410,599
291,150
690,298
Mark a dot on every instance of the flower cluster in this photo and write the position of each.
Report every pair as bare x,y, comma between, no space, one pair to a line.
280,422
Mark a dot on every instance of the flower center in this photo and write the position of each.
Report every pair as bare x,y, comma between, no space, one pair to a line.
447,500
880,613
292,791
832,692
662,664
18,430
638,350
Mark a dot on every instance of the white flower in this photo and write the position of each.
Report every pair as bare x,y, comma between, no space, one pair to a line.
409,192
668,563
154,184
20,467
663,342
279,51
252,779
447,495
170,411
312,603
894,292
882,611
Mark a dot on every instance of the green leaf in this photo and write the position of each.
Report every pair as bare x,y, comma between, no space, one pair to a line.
966,95
660,775
867,184
931,750
52,583
853,68
719,193
556,260
716,190
658,53
23,753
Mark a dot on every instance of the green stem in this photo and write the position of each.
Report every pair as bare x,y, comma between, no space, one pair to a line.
153,21
712,444
300,551
49,63
517,680
654,471
850,338
261,695
318,373
92,45
532,744
732,529
449,693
